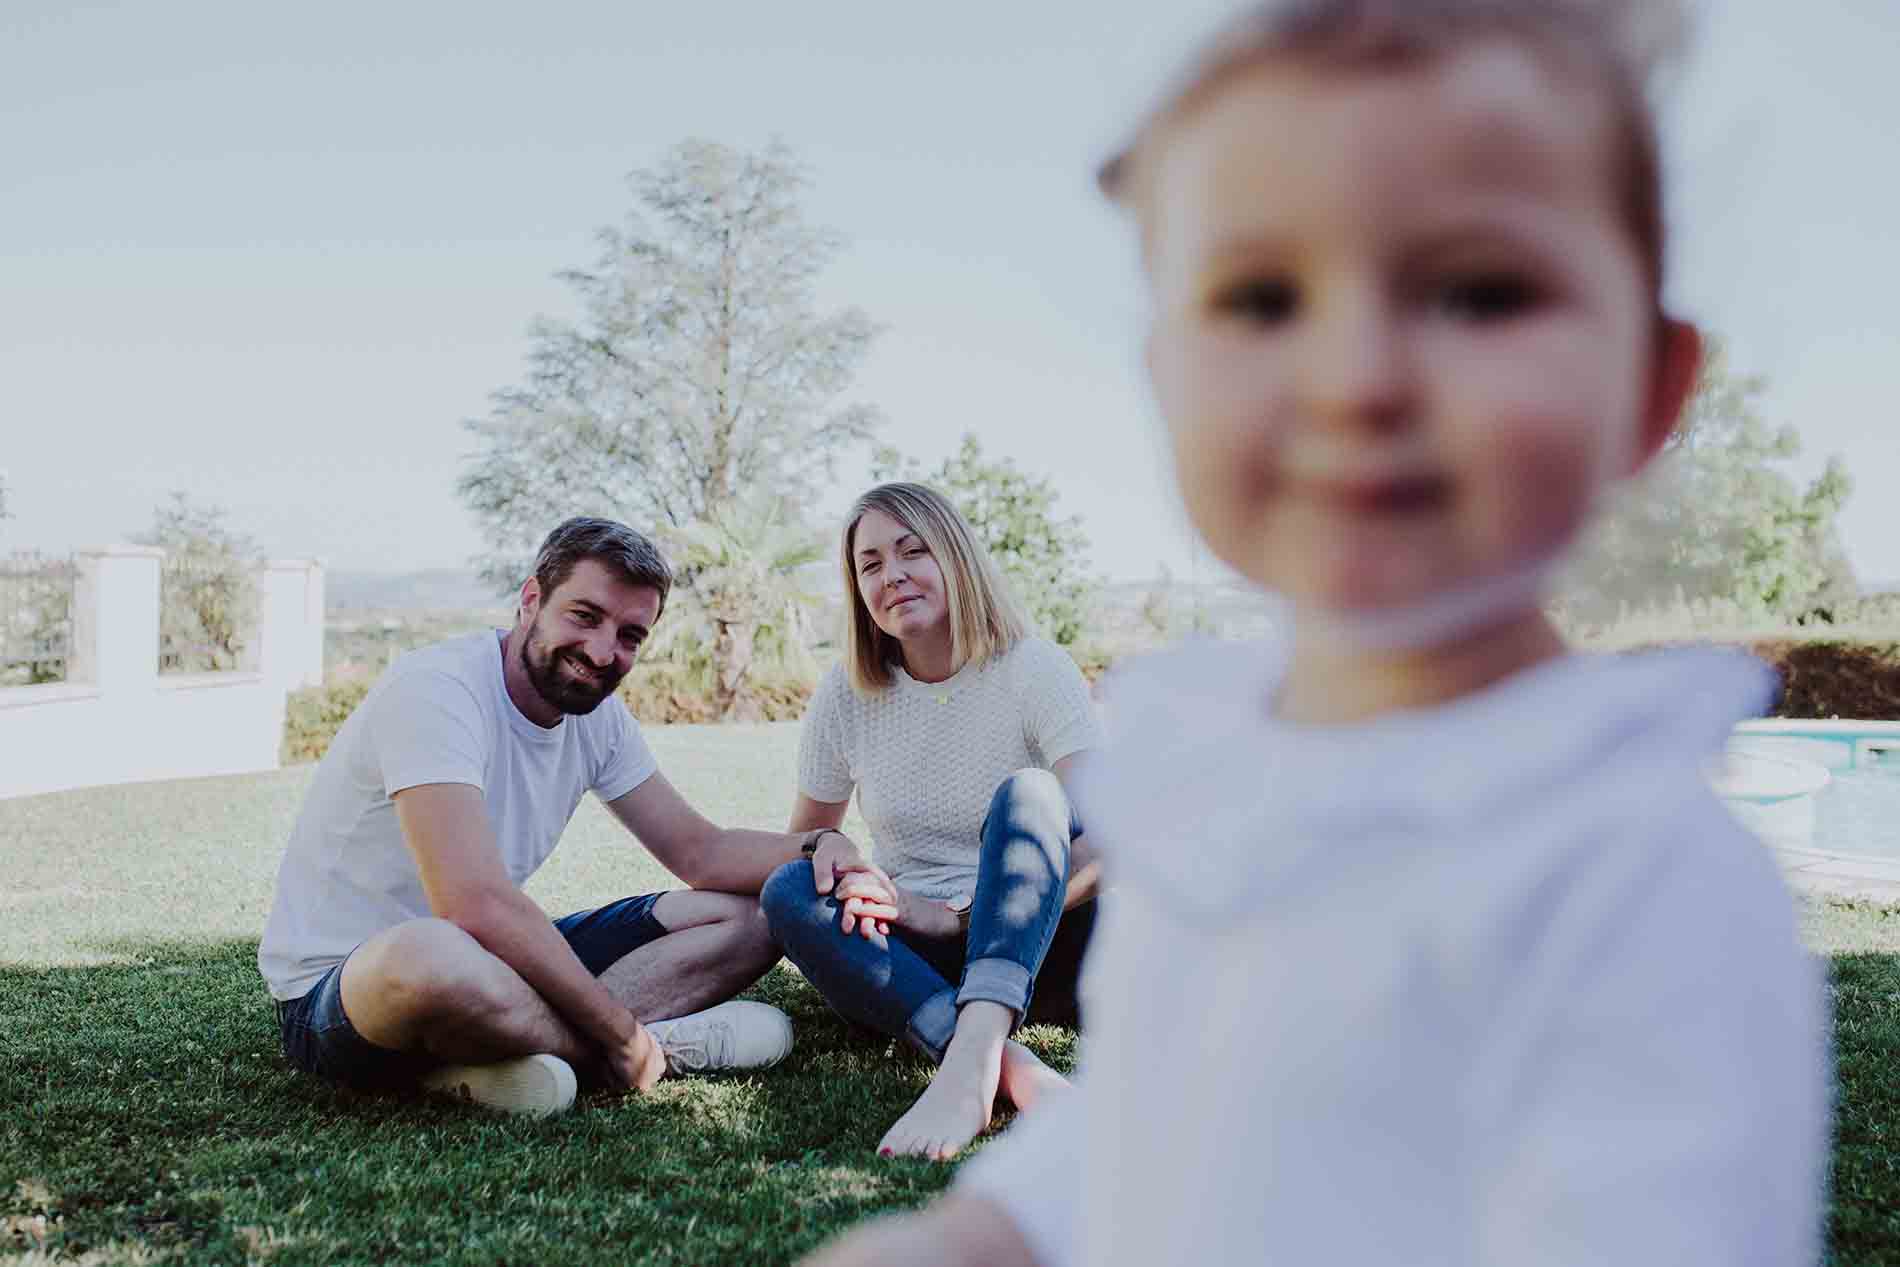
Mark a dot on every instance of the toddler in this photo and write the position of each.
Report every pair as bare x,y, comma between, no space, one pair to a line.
1428,942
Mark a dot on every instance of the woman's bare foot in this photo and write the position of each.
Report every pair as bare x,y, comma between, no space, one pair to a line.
1025,1079
955,1108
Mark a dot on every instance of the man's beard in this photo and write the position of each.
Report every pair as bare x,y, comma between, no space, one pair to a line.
561,690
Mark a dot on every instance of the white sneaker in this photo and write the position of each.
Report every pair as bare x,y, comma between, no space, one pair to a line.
736,1035
539,1086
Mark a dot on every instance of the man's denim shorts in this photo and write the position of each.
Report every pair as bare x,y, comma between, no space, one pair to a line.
318,1038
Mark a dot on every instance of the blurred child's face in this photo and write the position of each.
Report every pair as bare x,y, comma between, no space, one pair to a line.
1402,336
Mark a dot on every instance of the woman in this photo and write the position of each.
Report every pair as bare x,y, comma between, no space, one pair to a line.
957,728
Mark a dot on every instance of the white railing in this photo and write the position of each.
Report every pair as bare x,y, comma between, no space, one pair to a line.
115,719
207,615
36,610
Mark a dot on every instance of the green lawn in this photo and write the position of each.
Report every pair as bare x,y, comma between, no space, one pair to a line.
146,1115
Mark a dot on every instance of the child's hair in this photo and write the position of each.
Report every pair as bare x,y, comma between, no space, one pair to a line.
1619,41
984,618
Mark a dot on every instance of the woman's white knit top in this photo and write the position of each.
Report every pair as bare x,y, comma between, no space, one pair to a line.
926,757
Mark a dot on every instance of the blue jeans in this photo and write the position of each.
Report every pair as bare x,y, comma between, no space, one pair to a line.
1019,936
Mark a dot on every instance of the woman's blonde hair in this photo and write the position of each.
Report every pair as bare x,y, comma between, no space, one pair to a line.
985,620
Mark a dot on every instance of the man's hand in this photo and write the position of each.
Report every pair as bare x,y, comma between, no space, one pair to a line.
636,1063
837,854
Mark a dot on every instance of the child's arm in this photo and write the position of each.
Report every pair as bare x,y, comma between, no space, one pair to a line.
957,1230
1660,1090
1017,1204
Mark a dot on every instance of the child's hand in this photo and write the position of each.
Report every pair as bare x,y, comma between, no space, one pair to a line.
953,1232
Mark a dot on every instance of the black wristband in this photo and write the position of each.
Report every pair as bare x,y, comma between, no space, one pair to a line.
809,848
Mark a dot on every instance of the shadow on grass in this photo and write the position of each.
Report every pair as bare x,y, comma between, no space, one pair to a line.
151,1113
150,1117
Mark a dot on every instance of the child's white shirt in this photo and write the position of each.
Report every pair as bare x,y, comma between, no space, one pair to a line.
1495,983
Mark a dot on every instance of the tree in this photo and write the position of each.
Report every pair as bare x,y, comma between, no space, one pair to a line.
1719,519
207,588
1013,515
699,371
742,598
35,613
1157,605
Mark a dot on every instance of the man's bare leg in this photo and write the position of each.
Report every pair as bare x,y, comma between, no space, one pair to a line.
716,945
427,986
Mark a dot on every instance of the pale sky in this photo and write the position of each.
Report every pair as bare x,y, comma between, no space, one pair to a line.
273,256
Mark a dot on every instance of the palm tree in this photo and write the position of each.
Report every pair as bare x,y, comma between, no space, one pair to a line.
739,574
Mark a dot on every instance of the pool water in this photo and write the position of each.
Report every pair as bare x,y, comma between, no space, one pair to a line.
1858,813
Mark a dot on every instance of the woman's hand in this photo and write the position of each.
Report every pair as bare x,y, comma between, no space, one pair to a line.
872,902
869,901
926,917
833,863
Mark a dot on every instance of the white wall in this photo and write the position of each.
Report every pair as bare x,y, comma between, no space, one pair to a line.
115,720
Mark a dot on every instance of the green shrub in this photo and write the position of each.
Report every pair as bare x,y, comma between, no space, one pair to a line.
661,693
313,716
658,694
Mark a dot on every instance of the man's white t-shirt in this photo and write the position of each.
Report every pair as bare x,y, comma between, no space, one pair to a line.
441,714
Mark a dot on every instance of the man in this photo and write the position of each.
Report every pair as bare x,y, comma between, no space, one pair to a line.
401,950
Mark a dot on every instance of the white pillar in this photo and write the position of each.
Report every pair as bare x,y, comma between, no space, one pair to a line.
115,618
315,595
290,622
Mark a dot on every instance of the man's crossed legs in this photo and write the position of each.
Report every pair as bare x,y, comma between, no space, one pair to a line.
424,1003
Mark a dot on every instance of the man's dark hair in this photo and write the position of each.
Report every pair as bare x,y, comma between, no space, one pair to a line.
636,559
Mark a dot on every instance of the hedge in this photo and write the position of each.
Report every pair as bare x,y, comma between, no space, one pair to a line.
1820,678
657,694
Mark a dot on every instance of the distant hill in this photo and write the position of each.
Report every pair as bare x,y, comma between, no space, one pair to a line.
1225,608
436,589
451,589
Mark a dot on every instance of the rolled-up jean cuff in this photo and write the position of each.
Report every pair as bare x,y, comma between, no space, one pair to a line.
996,981
933,1025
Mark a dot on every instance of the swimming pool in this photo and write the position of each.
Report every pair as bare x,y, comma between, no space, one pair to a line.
1855,813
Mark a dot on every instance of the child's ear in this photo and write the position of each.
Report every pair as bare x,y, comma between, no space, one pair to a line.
1671,384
